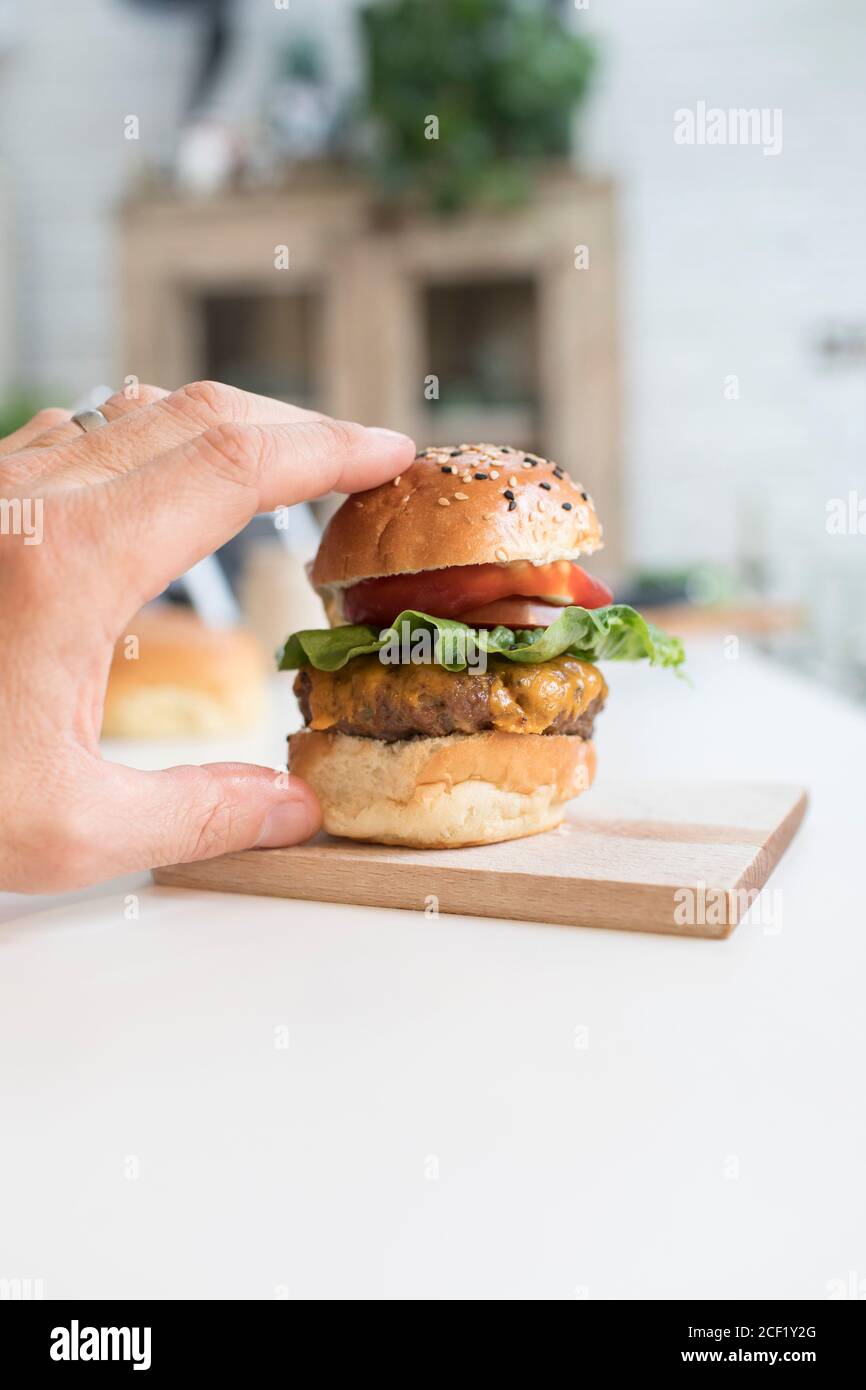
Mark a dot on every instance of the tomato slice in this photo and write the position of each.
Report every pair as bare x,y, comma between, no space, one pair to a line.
461,589
512,612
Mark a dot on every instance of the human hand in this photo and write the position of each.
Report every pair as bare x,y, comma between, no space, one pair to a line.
94,525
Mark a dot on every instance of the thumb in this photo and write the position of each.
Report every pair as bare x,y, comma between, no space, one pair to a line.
189,813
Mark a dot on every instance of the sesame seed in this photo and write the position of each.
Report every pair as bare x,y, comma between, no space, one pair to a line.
509,494
462,496
454,452
558,473
443,502
466,477
446,468
512,482
542,505
566,506
398,479
494,473
511,505
507,449
585,496
546,486
482,477
526,463
500,555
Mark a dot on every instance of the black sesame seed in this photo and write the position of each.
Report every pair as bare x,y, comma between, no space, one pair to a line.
566,506
446,468
558,473
482,477
546,486
511,505
454,453
507,449
585,496
509,494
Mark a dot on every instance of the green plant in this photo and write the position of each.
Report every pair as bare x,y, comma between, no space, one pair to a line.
501,78
19,407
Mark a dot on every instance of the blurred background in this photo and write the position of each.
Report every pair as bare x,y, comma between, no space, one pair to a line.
476,220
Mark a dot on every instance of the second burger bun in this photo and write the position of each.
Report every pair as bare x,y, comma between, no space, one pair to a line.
450,508
442,793
172,676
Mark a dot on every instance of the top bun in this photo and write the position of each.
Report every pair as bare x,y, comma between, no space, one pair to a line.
473,505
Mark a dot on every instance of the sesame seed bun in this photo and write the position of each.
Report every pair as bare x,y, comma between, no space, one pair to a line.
440,512
442,793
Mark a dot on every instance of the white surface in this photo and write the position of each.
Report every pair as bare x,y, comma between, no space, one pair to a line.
601,1171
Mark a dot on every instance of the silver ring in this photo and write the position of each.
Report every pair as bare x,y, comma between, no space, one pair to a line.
89,420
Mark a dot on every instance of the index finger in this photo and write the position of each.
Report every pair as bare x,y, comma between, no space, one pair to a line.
152,422
156,522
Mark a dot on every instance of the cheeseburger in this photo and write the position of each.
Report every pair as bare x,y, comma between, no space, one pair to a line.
453,699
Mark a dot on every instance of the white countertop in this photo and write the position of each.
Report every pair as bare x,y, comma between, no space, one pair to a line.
431,1129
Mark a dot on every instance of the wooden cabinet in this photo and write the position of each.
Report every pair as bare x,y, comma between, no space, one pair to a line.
482,326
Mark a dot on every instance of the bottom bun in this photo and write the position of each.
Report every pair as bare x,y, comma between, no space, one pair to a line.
440,793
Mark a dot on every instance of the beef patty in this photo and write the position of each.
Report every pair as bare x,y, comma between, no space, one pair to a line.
390,702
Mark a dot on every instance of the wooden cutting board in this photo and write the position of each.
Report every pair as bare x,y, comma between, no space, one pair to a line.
684,857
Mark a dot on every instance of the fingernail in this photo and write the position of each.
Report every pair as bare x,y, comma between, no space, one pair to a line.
392,434
289,823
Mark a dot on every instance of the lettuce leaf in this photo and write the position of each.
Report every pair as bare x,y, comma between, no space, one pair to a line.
614,633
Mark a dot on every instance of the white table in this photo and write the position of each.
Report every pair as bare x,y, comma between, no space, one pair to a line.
431,1127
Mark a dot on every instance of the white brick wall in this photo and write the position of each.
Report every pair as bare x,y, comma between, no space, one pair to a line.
70,74
731,260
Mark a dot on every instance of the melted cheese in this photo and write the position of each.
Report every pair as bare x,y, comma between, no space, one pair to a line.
521,698
526,699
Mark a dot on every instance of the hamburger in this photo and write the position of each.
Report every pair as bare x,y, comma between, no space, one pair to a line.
453,699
